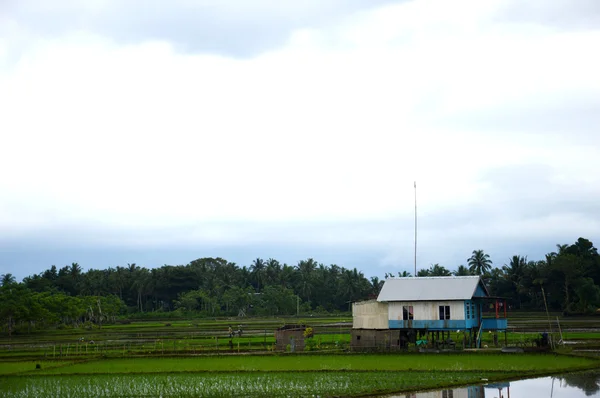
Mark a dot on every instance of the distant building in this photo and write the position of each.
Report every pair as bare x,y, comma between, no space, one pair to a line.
292,335
415,310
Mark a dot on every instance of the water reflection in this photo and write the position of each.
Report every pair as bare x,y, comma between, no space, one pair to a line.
588,382
574,385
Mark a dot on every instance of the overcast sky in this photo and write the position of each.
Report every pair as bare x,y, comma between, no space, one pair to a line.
161,132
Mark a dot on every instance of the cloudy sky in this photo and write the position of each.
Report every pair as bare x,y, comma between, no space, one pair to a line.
161,132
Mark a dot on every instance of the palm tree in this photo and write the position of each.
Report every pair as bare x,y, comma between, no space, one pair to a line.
257,268
75,270
462,271
515,272
479,263
305,273
404,274
7,279
438,270
376,284
561,249
141,284
272,270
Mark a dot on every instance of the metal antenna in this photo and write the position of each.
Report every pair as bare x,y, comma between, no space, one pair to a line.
415,228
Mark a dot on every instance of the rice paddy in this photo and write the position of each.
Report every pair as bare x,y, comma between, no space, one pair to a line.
349,362
192,358
230,385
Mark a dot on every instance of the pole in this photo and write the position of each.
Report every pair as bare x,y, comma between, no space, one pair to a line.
415,228
548,314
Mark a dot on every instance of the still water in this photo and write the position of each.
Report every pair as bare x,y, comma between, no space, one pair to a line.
574,385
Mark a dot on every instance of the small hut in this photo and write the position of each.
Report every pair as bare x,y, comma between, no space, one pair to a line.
292,335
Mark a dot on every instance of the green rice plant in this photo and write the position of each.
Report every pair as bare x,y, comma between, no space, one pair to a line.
306,362
274,384
12,367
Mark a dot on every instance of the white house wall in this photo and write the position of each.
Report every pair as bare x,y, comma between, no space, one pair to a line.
452,392
370,315
426,310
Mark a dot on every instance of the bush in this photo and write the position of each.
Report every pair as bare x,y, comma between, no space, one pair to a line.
310,344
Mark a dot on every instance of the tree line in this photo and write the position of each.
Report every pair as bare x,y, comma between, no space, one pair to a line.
568,279
206,287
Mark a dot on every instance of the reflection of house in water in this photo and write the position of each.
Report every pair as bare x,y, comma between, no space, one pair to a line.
502,389
461,392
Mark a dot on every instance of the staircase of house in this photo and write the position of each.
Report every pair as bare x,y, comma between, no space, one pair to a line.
478,340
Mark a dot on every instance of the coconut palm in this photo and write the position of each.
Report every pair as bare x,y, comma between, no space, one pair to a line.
479,263
257,269
7,279
462,271
515,274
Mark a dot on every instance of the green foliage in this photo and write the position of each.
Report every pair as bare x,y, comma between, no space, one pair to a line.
22,309
569,277
310,344
272,384
211,287
206,287
434,270
316,362
479,263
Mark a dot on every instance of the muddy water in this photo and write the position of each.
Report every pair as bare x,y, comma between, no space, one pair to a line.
573,385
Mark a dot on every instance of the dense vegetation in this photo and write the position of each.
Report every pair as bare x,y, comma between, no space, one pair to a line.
569,279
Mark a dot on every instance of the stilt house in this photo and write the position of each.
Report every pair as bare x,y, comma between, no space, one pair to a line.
409,310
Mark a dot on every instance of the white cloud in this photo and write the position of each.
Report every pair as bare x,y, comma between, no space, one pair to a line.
335,125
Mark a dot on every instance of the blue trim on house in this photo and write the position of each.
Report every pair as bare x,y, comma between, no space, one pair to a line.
448,324
479,291
494,323
473,316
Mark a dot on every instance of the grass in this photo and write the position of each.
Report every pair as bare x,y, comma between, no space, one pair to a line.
245,384
362,362
23,366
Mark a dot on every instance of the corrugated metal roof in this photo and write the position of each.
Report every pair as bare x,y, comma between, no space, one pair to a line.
429,288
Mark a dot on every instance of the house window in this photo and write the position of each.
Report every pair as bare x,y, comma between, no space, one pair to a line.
447,394
473,310
468,309
407,313
444,312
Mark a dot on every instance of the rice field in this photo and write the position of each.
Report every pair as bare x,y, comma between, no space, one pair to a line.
345,362
285,384
195,358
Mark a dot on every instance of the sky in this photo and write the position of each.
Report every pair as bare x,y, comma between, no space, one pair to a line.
161,132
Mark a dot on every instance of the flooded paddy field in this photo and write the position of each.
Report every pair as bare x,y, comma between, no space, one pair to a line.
279,375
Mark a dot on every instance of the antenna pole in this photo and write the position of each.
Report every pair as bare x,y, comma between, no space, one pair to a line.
415,228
